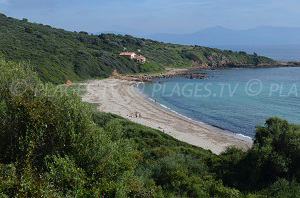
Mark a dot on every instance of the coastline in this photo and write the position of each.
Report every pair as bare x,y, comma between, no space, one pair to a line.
119,97
198,72
207,125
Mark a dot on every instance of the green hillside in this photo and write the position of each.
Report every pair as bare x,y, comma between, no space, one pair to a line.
54,145
58,55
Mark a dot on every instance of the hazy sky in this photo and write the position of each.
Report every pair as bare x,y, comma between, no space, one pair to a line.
154,16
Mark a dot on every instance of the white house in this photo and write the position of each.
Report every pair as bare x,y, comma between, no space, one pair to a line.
128,54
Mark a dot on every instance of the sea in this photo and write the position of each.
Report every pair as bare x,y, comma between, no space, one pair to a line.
234,100
277,52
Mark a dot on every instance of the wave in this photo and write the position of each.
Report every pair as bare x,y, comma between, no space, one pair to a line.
238,135
244,136
169,109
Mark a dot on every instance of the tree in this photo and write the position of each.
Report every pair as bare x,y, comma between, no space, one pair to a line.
275,154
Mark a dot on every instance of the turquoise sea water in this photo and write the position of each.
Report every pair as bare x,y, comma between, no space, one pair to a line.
235,100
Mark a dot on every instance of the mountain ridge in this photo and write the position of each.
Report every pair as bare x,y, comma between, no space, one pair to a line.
58,55
261,35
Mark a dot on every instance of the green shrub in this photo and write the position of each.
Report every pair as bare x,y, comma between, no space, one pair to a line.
66,175
283,189
54,145
274,156
58,55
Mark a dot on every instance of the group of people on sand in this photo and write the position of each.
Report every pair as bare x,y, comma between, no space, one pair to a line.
135,115
139,115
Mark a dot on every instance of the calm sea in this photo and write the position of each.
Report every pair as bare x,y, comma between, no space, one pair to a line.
276,52
236,100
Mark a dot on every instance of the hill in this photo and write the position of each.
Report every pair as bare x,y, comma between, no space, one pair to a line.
263,35
54,145
58,55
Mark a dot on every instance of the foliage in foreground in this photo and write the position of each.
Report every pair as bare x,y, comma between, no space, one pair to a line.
53,145
274,155
58,55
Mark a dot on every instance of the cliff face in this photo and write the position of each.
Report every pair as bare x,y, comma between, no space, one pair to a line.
58,55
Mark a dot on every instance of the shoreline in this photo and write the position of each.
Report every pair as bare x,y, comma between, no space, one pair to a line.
119,97
207,125
196,72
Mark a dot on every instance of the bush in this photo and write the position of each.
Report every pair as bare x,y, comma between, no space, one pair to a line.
283,188
58,55
52,144
275,155
64,173
40,124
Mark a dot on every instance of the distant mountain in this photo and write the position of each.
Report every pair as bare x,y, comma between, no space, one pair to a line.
110,32
263,35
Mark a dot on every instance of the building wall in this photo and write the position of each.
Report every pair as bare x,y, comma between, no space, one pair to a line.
132,56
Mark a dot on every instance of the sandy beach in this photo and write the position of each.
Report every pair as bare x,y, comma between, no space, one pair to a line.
118,97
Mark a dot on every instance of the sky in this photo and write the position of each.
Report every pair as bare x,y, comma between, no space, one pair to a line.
154,16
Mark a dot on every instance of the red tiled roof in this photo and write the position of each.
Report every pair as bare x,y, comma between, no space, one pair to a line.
139,57
126,53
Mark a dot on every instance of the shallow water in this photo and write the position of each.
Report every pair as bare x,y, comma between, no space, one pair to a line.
236,100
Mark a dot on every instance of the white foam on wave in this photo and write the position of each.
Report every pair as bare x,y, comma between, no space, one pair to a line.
164,106
175,112
244,136
239,135
151,99
182,116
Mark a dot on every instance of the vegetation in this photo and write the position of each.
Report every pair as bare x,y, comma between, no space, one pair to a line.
53,145
58,55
